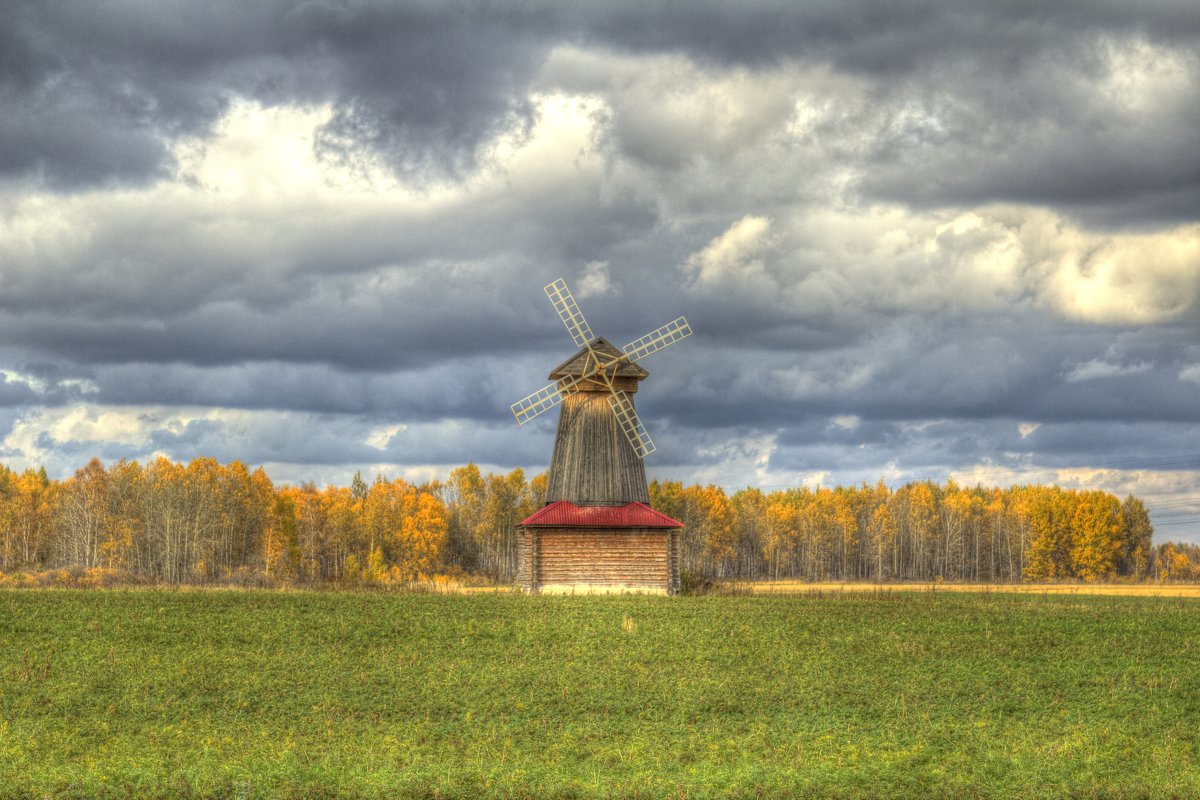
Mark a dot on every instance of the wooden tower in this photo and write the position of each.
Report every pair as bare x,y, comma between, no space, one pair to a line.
594,463
597,532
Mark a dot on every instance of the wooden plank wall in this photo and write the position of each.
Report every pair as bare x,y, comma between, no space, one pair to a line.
593,463
629,558
526,559
673,581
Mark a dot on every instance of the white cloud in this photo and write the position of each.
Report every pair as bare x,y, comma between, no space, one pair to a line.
734,258
846,421
994,257
1190,374
342,475
264,153
63,439
999,258
734,461
815,479
380,437
84,385
1145,79
1133,278
40,386
1098,368
1027,428
556,155
667,111
34,383
595,280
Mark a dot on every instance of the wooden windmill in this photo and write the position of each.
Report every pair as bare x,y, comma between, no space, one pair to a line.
597,531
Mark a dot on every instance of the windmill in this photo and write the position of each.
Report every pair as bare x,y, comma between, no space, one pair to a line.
597,530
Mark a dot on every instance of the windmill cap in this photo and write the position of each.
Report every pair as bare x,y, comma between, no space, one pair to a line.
576,364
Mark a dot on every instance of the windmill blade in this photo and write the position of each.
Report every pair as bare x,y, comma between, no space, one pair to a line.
572,317
654,341
544,399
635,432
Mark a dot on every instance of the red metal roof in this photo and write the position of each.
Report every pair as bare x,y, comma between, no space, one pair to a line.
561,514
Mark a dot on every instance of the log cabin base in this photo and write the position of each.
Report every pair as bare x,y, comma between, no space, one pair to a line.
567,549
597,588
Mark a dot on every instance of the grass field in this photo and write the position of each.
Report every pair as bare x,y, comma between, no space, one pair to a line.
1117,589
901,694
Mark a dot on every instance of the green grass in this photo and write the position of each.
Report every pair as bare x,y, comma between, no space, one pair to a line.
258,694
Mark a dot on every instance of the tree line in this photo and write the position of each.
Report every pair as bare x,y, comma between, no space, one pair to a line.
921,531
205,522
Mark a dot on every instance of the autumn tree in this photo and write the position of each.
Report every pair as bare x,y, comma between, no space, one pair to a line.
882,532
464,494
749,531
406,531
423,535
82,517
506,498
1135,539
709,516
1050,514
1096,536
1174,561
27,504
281,541
779,537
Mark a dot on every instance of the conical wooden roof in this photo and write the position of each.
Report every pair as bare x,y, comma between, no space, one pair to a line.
576,364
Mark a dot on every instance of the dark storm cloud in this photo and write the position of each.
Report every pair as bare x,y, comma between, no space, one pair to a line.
943,366
15,393
341,440
931,449
1115,444
880,39
1103,126
80,452
40,383
95,92
951,366
476,389
1083,104
408,323
422,83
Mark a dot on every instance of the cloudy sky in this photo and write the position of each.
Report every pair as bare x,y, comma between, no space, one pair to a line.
915,239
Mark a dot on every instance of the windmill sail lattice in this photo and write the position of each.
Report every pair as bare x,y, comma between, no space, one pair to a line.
543,399
572,317
601,368
663,337
627,418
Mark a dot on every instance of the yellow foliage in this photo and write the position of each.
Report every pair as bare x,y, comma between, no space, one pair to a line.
206,521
